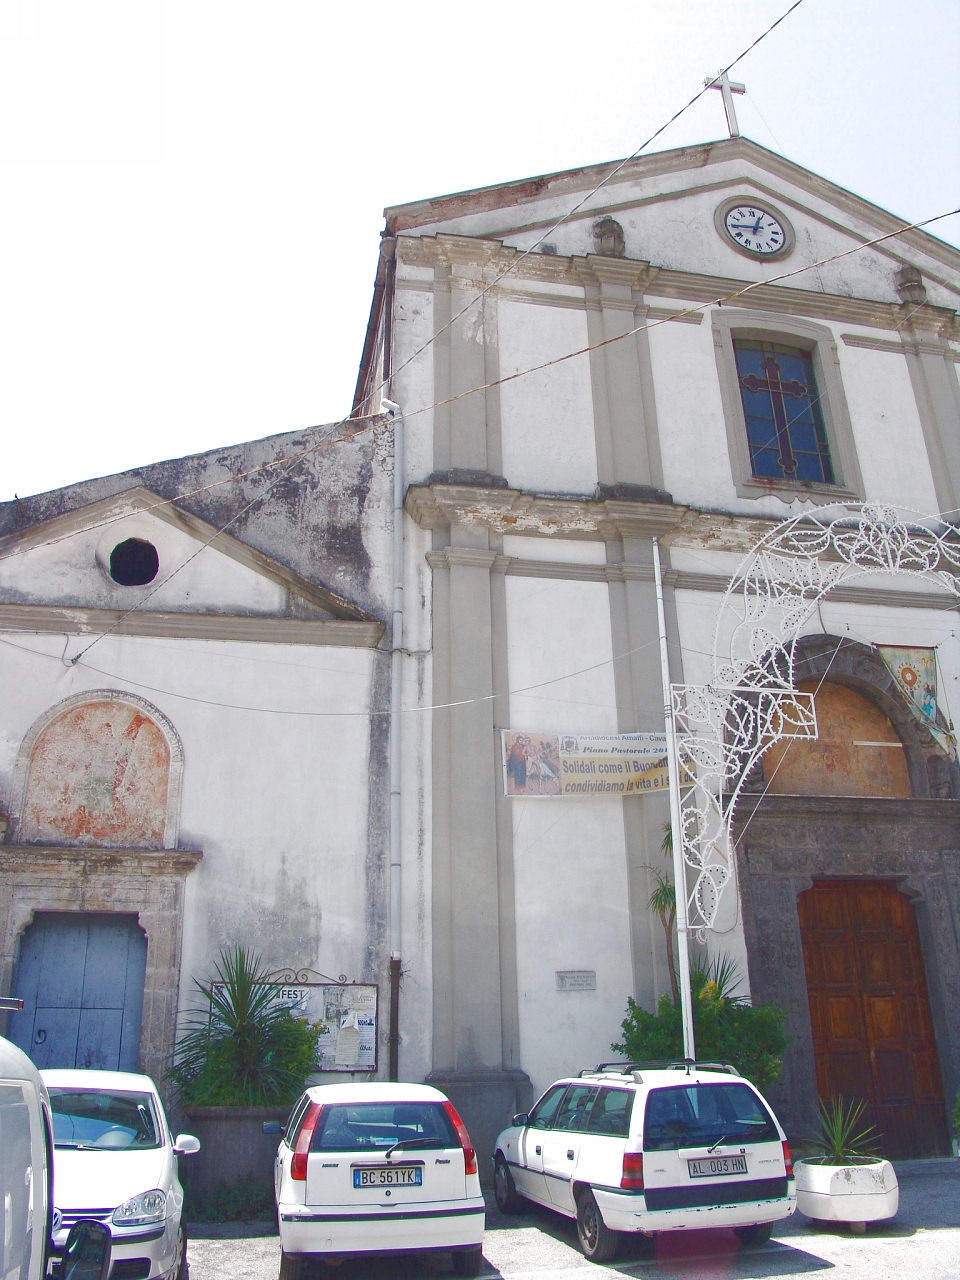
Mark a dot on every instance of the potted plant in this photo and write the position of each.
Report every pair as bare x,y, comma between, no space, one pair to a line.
846,1181
240,1060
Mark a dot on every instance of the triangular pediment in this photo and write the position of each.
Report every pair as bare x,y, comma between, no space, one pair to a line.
71,561
668,205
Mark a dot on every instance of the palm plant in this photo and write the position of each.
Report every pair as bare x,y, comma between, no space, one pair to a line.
663,901
239,1048
840,1139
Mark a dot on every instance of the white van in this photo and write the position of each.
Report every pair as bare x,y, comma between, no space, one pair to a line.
26,1181
628,1149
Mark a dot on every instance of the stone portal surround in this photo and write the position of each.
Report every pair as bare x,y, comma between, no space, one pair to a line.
146,883
790,841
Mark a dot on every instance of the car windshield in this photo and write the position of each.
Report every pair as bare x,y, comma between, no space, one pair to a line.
699,1115
104,1120
376,1126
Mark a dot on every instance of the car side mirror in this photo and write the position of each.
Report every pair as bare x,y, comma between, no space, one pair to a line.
88,1252
185,1144
272,1128
520,1120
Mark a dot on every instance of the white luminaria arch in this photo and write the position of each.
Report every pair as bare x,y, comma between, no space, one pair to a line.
751,702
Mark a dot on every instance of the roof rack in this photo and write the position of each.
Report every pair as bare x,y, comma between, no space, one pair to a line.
682,1064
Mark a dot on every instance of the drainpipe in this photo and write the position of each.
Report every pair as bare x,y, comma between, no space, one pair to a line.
396,672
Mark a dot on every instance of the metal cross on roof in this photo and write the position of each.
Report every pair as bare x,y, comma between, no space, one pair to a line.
728,88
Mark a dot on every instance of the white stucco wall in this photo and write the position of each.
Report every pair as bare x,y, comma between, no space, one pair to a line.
569,854
276,745
546,418
886,427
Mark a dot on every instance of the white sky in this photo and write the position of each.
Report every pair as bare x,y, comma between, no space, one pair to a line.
191,192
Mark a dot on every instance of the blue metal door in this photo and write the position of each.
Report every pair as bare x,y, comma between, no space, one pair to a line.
81,980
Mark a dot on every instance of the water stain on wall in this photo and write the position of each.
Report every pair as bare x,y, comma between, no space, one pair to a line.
98,775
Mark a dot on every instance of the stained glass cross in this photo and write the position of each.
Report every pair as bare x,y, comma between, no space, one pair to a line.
777,389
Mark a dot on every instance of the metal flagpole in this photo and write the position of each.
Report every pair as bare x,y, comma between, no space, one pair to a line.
676,825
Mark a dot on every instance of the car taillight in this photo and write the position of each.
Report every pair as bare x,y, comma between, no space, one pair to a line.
787,1159
632,1179
298,1165
469,1155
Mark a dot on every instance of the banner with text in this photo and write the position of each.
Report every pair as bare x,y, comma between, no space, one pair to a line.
566,764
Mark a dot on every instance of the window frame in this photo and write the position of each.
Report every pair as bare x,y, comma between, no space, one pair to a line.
732,324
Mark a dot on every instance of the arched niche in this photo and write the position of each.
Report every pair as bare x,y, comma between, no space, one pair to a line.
103,770
856,752
838,660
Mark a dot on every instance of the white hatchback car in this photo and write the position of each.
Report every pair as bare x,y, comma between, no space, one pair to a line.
114,1160
377,1168
648,1150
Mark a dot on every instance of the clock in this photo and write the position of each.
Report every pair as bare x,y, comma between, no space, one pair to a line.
755,229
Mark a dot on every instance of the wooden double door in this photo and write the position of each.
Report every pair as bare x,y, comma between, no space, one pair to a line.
872,1031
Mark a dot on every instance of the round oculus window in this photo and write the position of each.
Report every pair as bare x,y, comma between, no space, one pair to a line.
134,563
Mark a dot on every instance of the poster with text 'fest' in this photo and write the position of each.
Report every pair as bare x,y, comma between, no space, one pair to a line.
566,764
348,1041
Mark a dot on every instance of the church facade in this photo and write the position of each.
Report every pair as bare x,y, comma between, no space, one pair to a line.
537,479
195,733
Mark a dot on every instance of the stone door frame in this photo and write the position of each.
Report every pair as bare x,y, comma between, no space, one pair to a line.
787,842
148,884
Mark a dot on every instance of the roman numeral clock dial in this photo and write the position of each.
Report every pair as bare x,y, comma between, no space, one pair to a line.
754,230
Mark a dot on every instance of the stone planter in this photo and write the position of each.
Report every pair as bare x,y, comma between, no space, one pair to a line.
234,1149
854,1193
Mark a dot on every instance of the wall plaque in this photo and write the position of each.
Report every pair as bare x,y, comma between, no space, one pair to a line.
576,979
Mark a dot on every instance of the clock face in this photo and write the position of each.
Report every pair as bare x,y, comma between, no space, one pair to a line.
755,230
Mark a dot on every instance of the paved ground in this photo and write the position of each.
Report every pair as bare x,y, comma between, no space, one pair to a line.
921,1243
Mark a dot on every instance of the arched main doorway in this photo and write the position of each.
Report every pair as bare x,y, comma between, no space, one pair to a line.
873,1037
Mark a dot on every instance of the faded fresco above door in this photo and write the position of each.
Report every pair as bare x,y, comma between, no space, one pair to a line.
99,774
856,753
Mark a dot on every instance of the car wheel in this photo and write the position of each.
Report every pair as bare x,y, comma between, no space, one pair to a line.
467,1262
597,1241
180,1270
758,1234
505,1189
292,1266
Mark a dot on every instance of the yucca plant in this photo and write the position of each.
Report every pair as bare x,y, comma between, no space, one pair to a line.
842,1137
238,1047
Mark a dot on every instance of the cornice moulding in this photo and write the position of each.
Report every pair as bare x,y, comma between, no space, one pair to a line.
697,160
462,558
715,583
515,512
190,626
698,289
42,860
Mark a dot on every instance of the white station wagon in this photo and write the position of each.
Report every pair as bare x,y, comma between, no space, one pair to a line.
377,1168
638,1149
